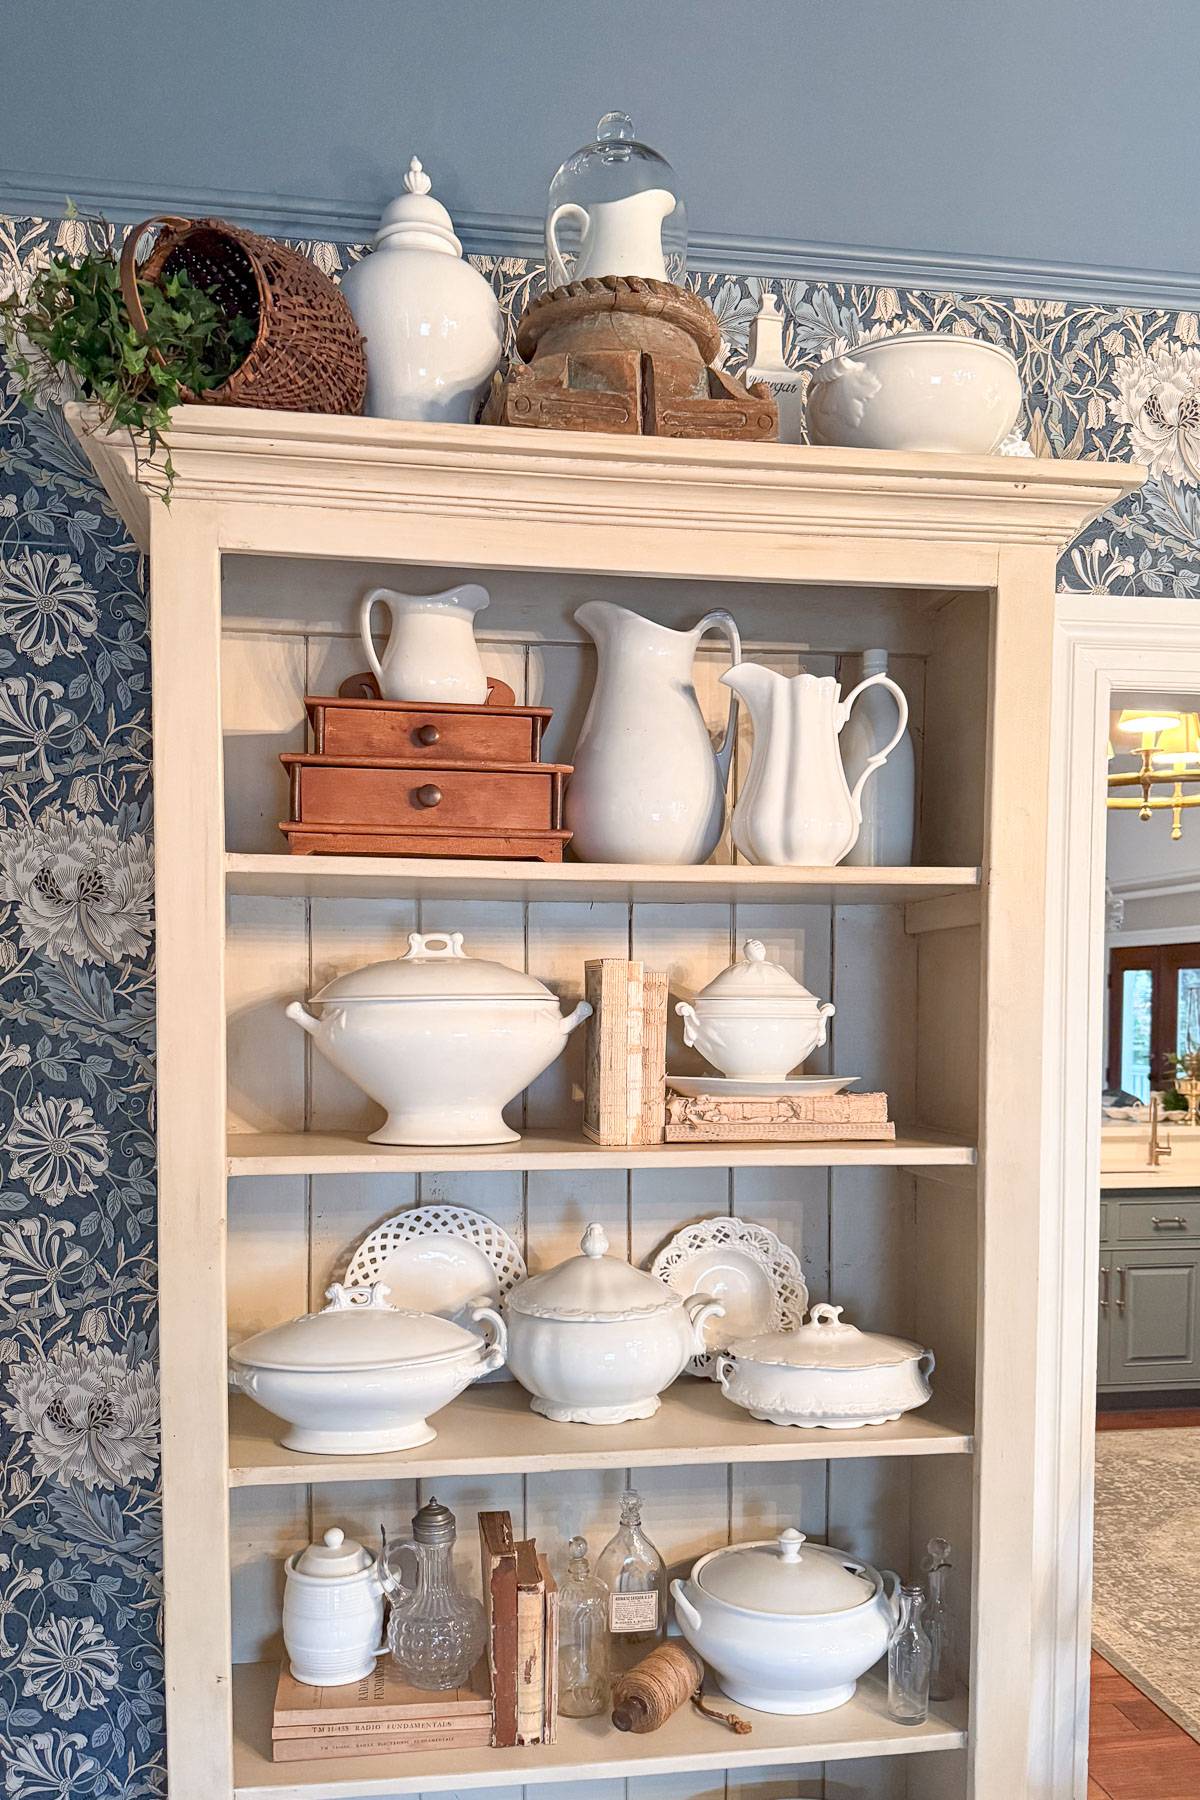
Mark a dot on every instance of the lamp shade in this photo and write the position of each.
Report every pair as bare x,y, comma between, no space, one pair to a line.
1179,746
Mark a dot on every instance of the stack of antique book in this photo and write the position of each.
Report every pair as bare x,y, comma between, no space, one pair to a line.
626,1056
377,1716
520,1599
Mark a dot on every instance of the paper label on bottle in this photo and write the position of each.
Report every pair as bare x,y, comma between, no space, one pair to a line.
633,1612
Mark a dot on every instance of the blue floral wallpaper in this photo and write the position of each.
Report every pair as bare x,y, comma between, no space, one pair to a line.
80,1667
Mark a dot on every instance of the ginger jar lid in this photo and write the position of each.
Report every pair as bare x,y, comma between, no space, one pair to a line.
826,1342
357,1330
786,1575
415,220
593,1288
435,967
335,1557
754,979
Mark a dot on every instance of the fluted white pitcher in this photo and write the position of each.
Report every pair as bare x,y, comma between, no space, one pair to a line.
796,807
649,784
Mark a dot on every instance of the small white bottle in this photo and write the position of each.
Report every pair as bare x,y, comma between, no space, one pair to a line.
885,840
767,363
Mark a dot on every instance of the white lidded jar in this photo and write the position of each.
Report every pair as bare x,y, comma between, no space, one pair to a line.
332,1611
885,837
767,363
432,323
754,1021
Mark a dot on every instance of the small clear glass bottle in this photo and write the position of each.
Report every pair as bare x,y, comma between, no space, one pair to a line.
636,1578
909,1658
583,1685
939,1626
436,1633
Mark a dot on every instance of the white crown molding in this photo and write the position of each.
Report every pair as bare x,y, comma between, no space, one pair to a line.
1154,887
511,234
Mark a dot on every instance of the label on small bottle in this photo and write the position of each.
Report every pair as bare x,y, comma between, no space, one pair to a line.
633,1612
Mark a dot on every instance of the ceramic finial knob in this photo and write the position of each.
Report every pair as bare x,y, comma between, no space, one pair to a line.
594,1241
335,1537
791,1542
754,951
416,181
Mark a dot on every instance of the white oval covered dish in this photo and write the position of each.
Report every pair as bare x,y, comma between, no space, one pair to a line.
442,1040
826,1373
754,1021
362,1375
787,1626
595,1341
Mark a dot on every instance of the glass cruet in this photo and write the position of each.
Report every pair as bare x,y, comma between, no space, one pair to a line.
583,1688
939,1626
607,172
436,1632
636,1578
909,1658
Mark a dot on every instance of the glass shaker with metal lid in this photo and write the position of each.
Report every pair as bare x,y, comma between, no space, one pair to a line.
436,1632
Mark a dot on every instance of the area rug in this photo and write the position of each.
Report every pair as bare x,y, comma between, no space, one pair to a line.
1146,1605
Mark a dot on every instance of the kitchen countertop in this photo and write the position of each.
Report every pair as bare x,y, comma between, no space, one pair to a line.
1123,1163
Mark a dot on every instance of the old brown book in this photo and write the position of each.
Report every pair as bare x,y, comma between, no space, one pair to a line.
310,1749
381,1700
498,1559
550,1656
531,1645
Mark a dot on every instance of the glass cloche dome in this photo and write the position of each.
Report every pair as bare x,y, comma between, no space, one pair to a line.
615,209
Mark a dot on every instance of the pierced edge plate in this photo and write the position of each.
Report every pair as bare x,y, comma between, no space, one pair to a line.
437,1221
763,1090
782,1266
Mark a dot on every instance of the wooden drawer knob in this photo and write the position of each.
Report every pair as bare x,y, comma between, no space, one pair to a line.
427,734
429,795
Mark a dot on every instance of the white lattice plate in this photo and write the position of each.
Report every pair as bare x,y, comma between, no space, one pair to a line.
759,1090
756,1278
440,1259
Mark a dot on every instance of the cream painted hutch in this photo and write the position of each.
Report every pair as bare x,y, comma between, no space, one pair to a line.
277,523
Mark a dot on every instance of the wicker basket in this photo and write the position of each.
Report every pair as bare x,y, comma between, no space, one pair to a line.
307,354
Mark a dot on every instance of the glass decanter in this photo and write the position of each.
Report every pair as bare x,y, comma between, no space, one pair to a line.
636,1578
436,1632
910,1655
939,1626
583,1687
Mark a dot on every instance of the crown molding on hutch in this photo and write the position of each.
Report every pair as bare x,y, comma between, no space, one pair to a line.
510,234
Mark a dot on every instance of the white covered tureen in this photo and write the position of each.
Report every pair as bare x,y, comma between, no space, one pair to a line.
827,1372
361,1375
787,1626
595,1341
754,1021
441,1039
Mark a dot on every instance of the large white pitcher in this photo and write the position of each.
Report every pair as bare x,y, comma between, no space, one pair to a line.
796,807
649,786
430,653
617,237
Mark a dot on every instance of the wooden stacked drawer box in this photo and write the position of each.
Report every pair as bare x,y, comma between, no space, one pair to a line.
398,778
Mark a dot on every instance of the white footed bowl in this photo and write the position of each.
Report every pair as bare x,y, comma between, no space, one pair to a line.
918,390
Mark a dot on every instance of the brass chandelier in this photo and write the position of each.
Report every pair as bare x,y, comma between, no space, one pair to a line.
1168,746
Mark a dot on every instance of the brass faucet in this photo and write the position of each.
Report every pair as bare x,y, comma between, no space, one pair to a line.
1156,1148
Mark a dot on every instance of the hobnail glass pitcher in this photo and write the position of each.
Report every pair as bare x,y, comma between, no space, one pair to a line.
436,1632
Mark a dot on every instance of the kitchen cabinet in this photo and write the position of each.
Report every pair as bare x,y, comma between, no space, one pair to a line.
1149,1308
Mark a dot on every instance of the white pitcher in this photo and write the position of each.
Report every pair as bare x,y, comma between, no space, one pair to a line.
430,652
649,786
617,237
796,808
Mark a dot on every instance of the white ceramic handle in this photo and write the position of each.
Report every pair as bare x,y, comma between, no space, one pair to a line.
825,1012
891,1591
927,1363
495,1343
700,1308
720,620
582,1011
824,1314
300,1015
434,946
683,1605
723,1367
880,756
246,1380
557,273
365,609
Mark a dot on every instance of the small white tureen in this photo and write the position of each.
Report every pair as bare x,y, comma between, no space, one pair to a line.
754,1021
362,1376
825,1373
595,1341
787,1626
441,1039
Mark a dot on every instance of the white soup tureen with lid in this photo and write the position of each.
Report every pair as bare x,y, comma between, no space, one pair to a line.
441,1039
787,1626
826,1373
362,1375
754,1021
595,1341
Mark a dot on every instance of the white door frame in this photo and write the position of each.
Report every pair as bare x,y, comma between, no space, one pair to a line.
1102,644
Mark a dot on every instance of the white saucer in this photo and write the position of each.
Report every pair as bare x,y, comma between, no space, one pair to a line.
760,1090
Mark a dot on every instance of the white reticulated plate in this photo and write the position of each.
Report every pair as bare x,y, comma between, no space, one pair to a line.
438,1259
756,1278
759,1090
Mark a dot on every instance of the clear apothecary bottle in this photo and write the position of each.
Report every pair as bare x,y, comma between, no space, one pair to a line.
583,1683
910,1656
938,1623
636,1578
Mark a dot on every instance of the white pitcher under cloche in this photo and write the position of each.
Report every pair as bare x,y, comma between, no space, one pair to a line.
430,653
649,784
796,807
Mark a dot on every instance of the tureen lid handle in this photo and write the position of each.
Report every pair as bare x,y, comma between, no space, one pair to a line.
594,1241
754,951
358,1299
824,1314
790,1543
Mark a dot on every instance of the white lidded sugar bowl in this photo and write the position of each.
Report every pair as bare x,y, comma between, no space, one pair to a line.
332,1611
754,1021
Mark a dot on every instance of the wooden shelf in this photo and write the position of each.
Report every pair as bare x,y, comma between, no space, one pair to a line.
329,1153
587,1749
492,1430
418,878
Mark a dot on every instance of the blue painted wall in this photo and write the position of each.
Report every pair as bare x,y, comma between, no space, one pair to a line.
1055,130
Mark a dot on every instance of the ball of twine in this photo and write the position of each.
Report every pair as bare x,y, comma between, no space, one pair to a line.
645,1697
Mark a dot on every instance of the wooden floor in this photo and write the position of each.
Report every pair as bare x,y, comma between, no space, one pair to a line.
1149,1418
1137,1752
